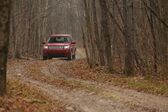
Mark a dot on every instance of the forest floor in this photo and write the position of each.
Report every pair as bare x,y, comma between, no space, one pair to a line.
70,86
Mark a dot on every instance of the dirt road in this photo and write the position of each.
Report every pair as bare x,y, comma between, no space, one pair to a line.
80,95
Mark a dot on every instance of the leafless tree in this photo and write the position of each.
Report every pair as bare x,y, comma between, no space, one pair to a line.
137,39
4,37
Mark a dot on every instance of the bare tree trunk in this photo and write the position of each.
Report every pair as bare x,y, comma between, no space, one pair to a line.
98,38
129,36
105,31
153,26
4,40
164,38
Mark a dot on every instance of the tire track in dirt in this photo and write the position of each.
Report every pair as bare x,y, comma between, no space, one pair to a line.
81,101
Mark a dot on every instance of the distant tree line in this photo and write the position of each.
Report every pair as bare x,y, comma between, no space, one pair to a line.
127,36
32,21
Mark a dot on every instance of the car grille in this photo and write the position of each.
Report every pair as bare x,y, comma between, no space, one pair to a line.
56,47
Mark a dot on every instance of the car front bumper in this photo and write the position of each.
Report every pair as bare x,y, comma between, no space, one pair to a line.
56,53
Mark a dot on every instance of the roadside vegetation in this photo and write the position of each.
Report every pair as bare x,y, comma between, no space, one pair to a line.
23,98
80,69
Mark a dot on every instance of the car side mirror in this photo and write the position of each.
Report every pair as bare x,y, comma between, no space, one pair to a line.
73,42
43,42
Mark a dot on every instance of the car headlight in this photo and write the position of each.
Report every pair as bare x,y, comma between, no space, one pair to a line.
66,47
45,47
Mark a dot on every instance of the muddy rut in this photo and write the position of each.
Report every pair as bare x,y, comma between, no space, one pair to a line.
80,95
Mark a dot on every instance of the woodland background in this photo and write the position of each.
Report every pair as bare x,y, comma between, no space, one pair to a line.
128,36
126,47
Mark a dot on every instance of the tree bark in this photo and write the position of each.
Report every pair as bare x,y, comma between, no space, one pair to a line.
153,26
164,38
4,40
129,36
105,31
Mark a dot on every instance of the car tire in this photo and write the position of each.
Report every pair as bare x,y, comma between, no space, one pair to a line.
45,57
74,56
50,58
70,57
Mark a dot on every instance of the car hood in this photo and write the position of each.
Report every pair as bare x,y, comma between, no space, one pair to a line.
57,44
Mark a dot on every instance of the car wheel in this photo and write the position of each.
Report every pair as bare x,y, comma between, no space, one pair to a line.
50,58
45,57
70,57
74,56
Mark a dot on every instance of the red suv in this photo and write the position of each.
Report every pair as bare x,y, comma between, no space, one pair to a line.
59,45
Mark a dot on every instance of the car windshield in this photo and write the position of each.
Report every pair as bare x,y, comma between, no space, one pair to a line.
59,39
